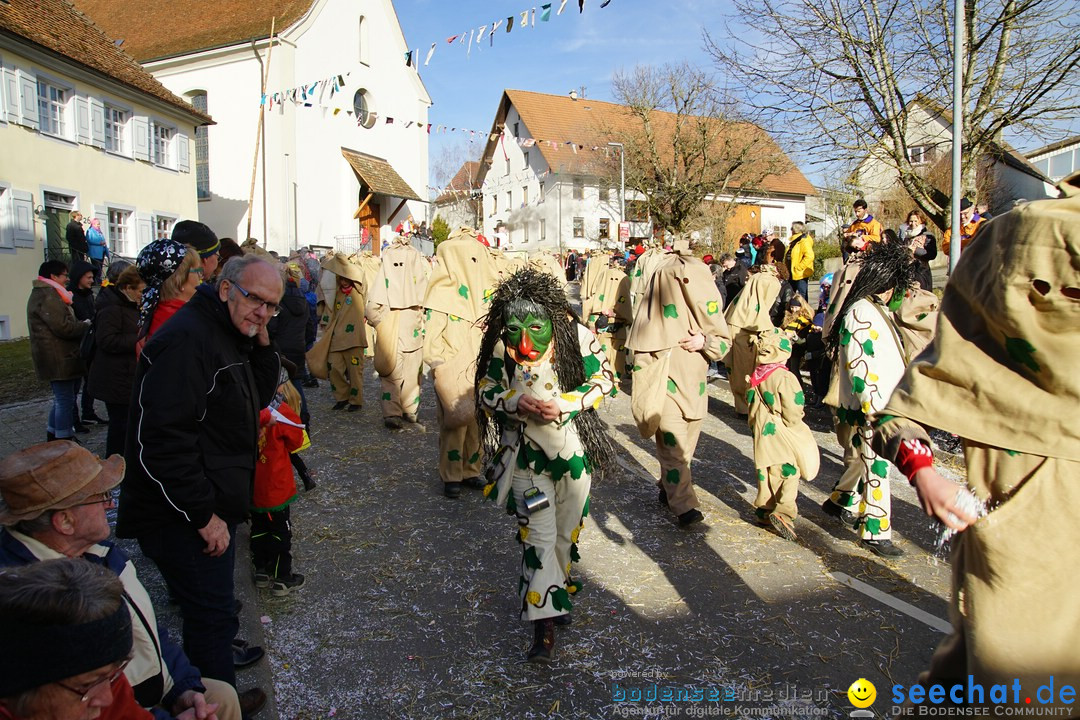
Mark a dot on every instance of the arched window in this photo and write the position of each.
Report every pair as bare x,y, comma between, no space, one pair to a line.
202,148
361,40
362,108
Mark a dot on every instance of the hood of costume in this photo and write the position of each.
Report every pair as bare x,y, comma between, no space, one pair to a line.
401,280
342,265
546,263
681,296
1001,369
251,246
464,279
750,310
841,286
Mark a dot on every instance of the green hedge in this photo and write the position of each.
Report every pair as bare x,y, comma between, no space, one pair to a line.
824,248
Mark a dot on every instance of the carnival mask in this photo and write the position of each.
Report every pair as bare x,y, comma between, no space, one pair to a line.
527,339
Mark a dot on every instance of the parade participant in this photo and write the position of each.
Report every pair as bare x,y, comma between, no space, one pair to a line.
678,329
869,357
371,265
546,262
969,223
540,375
749,314
281,433
1009,313
784,449
460,286
607,313
644,266
344,321
395,308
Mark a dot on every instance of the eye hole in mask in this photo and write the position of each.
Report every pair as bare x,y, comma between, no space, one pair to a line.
1041,286
1071,293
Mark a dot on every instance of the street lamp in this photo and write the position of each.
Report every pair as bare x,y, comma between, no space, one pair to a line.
622,180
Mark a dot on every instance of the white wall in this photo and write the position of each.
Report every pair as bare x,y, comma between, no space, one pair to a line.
303,144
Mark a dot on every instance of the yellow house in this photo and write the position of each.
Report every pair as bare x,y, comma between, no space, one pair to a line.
82,127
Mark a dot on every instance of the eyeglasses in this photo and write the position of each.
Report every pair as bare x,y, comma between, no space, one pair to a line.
84,693
272,308
102,498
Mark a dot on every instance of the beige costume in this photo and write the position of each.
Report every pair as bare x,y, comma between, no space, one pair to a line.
458,291
784,448
1001,373
345,323
681,297
395,303
547,263
610,297
747,316
371,266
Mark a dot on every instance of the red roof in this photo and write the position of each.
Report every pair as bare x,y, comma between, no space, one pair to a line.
58,27
463,182
556,121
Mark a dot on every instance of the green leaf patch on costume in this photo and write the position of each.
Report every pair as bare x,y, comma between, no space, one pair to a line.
671,311
858,384
672,476
350,327
712,307
880,468
787,470
785,345
1021,350
768,397
453,455
769,429
868,347
560,600
873,526
671,386
701,388
845,336
800,398
750,395
577,465
532,560
592,365
495,369
463,291
386,396
669,439
574,555
761,476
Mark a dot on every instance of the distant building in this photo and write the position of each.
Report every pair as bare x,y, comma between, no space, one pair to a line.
82,127
460,203
337,75
1005,174
1057,160
540,192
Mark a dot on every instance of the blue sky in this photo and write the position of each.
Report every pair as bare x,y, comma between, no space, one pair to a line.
567,52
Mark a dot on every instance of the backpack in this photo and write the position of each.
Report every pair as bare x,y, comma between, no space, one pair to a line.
88,345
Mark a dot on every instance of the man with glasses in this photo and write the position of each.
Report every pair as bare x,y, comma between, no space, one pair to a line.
192,446
53,499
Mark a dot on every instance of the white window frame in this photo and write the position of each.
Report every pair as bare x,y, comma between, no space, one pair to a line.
362,41
603,230
524,194
540,198
509,201
579,227
160,220
166,145
525,160
918,154
119,132
121,234
65,115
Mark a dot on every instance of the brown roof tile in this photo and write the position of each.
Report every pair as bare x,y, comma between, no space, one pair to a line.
58,27
591,124
153,29
378,175
463,181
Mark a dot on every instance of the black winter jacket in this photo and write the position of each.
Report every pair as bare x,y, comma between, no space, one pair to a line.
289,329
82,301
116,328
193,434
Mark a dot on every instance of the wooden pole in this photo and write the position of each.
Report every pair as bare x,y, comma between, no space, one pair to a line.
259,129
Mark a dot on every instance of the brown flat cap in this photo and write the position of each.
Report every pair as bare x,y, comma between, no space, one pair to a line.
53,476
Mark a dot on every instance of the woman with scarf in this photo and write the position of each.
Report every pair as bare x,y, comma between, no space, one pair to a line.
171,271
540,375
55,336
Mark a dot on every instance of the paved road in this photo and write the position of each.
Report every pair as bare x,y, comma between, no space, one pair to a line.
410,606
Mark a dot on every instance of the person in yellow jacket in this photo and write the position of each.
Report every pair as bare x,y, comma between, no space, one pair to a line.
800,259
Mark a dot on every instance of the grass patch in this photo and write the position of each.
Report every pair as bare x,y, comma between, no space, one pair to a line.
18,381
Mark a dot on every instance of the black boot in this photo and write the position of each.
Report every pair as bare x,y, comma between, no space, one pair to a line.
49,436
543,647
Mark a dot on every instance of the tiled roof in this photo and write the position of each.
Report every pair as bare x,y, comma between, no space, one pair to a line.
378,175
1052,147
58,27
463,181
554,121
153,29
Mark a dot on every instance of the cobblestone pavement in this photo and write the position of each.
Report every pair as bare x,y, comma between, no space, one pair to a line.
410,607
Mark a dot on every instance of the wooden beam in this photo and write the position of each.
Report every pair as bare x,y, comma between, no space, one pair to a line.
359,210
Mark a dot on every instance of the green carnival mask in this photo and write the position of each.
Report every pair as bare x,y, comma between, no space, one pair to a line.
527,340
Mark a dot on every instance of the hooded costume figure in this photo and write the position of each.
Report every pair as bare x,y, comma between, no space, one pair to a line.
670,398
344,320
610,300
459,288
870,358
395,307
548,263
784,449
540,375
748,315
1001,373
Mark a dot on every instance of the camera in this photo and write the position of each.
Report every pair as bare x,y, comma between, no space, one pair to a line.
535,499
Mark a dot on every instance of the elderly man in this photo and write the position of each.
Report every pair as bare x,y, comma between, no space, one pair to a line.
53,498
192,445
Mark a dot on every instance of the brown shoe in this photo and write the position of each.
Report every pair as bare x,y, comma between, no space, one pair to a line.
543,647
251,701
783,526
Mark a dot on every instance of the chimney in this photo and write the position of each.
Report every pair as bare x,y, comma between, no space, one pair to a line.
573,95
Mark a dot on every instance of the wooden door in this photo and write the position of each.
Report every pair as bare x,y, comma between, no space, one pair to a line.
747,219
56,220
369,218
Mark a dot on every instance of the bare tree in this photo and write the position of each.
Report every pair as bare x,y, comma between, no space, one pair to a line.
686,148
840,75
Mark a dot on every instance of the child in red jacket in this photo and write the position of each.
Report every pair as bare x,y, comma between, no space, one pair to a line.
280,434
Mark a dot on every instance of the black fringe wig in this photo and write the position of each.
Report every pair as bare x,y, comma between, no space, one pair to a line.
530,290
883,267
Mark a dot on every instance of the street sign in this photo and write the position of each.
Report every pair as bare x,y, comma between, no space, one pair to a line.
624,231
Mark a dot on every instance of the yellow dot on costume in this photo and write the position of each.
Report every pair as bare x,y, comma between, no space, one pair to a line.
533,597
866,407
488,489
877,493
574,534
568,397
596,404
523,533
568,567
873,334
862,507
872,377
884,523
